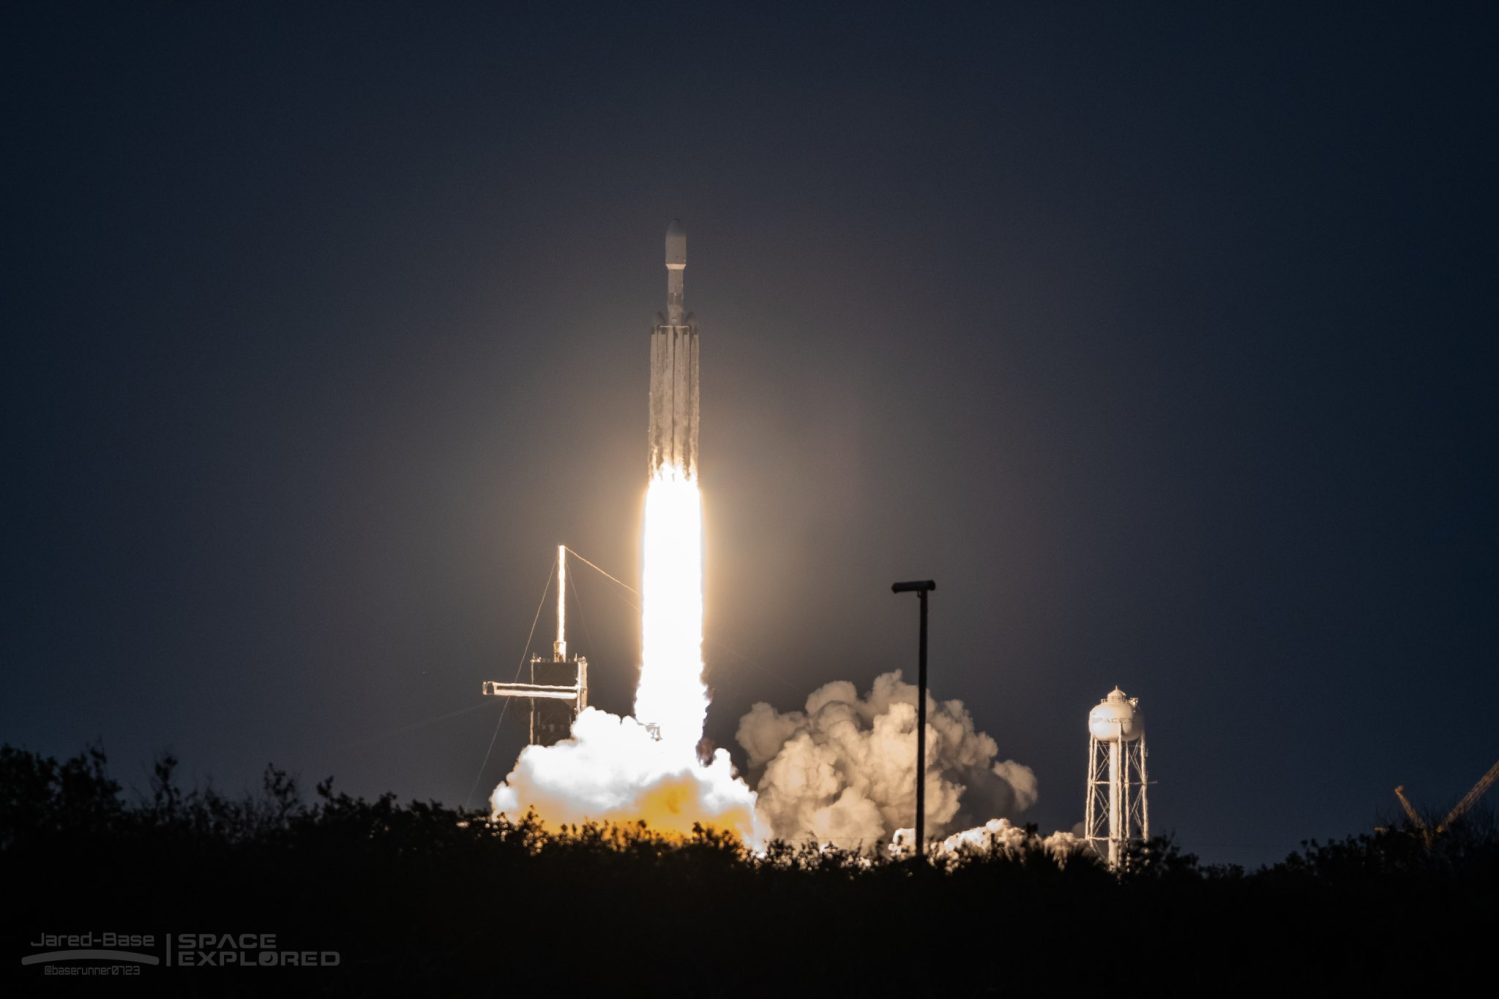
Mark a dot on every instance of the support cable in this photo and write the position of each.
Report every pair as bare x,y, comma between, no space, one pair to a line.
518,667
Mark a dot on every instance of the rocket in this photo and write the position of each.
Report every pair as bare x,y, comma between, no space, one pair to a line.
673,423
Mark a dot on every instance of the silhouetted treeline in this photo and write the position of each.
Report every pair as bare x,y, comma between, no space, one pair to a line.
421,896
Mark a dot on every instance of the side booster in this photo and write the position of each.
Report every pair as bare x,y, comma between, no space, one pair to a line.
674,398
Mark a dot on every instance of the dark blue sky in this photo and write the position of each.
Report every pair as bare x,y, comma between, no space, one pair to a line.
1162,338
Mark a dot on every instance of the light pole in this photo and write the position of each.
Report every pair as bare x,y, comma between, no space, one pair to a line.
920,587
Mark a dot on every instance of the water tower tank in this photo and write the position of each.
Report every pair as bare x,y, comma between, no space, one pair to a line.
1116,718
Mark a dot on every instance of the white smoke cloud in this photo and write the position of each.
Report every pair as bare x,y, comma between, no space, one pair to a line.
842,771
614,769
999,835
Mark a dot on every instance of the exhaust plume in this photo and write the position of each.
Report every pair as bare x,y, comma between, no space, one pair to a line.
614,769
671,694
842,770
996,835
646,768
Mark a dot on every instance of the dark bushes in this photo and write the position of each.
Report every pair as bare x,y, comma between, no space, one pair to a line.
421,896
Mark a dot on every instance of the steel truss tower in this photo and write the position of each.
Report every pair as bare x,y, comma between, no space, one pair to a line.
1117,810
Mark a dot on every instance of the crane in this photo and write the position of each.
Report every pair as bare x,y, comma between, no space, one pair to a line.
1458,810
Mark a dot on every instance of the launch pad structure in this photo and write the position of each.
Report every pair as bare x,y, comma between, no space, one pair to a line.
557,688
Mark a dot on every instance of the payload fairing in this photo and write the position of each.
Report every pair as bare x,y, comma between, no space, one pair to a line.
674,397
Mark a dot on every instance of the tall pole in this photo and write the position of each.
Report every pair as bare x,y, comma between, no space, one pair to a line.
559,647
921,737
921,588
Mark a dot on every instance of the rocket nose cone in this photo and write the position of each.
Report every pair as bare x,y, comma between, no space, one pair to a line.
676,245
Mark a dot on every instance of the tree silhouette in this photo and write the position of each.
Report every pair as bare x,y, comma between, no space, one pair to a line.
421,896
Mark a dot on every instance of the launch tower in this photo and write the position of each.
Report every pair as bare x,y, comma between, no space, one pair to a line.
557,688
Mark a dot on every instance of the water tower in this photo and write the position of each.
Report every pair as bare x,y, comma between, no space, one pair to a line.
1116,810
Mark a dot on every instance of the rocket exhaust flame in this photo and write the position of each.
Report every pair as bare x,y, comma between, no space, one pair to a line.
671,694
646,768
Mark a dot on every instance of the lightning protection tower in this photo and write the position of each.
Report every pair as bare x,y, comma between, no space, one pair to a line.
558,687
1116,811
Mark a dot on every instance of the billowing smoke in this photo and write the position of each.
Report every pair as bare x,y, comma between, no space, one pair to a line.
615,769
842,771
996,835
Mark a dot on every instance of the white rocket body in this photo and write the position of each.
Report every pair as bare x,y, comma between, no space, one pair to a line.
674,393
